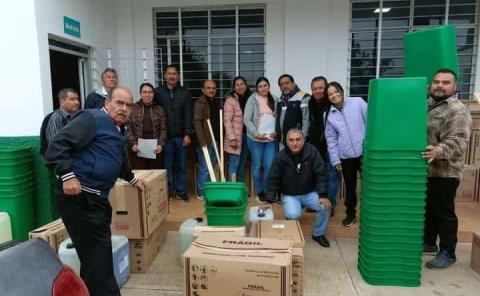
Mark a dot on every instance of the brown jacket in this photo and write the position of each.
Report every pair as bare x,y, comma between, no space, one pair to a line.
233,122
135,125
201,112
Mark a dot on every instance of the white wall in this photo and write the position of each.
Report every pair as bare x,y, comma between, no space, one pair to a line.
20,83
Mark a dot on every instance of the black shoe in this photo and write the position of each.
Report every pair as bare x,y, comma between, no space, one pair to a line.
183,197
322,241
349,220
430,250
171,195
309,210
332,212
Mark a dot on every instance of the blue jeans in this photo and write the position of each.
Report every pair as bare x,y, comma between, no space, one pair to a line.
175,156
262,156
333,181
292,207
236,163
203,175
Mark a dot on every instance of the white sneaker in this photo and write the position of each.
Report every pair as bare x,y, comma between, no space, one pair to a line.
200,197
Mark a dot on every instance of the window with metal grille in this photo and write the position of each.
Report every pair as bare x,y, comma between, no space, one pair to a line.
216,43
371,57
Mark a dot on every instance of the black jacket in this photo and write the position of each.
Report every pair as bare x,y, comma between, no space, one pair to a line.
94,101
316,134
178,106
285,179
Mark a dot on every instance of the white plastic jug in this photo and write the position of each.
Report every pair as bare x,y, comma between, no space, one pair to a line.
260,213
120,251
186,233
5,228
68,255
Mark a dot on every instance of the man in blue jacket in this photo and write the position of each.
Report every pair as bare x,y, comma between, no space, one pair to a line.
88,156
299,175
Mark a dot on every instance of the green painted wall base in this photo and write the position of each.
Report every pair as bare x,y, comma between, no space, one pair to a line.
45,209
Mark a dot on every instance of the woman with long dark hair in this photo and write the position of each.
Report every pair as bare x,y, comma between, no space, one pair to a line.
259,119
147,121
345,132
235,136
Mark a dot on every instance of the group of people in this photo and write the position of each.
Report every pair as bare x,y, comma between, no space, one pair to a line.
299,145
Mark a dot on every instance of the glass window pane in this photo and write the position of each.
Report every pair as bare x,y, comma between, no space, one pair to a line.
223,22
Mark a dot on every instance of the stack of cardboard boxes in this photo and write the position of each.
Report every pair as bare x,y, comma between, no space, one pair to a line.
53,233
140,216
469,188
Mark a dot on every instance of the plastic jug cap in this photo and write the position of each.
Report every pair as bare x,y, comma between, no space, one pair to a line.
70,246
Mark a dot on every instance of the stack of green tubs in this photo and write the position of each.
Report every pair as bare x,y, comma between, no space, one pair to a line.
225,203
16,189
393,183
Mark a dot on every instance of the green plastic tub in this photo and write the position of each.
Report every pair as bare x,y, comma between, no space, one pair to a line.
226,216
20,209
225,193
429,50
388,129
388,279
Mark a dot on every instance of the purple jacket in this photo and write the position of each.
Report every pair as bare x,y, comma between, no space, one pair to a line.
345,129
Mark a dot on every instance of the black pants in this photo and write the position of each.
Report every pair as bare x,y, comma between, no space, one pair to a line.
350,168
87,218
440,217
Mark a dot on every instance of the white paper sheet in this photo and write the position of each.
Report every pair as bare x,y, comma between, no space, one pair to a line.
146,148
268,125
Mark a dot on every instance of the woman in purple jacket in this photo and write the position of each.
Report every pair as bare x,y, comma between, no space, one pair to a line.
345,131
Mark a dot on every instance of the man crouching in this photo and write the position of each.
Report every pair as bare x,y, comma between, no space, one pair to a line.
298,174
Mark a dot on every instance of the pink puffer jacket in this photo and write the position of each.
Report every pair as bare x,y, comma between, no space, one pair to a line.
233,122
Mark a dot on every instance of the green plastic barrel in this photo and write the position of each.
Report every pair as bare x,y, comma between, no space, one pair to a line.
226,216
429,50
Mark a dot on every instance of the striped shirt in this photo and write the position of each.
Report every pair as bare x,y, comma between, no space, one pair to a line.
59,119
449,125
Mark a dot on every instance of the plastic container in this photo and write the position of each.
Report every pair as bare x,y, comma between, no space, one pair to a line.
120,252
386,127
186,231
226,216
260,213
68,255
5,228
20,209
430,49
225,193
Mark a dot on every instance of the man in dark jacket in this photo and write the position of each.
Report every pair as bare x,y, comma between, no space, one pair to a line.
292,108
318,107
298,174
89,155
96,99
177,103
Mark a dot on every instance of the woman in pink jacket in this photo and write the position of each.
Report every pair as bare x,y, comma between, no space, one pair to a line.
235,136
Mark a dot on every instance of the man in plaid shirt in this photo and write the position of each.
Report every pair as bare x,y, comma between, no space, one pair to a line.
449,124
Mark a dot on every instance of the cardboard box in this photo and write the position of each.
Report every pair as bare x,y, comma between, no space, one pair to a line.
215,230
53,233
137,214
298,265
144,251
230,266
475,261
467,190
282,229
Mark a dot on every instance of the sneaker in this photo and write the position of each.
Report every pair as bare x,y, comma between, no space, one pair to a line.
322,241
261,197
442,260
349,220
200,197
430,250
171,195
183,197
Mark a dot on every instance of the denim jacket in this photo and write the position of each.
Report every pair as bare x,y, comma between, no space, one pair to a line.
345,129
